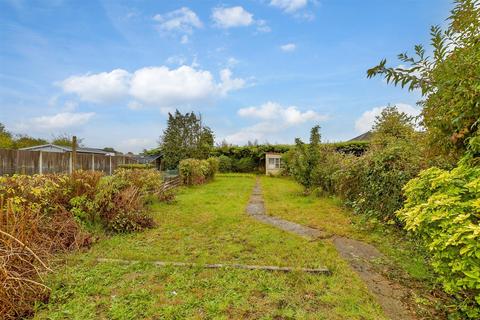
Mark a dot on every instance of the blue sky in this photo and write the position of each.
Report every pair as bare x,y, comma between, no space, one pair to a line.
110,71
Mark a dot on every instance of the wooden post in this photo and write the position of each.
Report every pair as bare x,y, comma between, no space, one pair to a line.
74,153
110,163
40,163
93,161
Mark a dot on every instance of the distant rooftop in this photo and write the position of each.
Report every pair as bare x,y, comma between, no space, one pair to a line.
363,137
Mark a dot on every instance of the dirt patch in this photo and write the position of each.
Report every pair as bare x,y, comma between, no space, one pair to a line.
390,295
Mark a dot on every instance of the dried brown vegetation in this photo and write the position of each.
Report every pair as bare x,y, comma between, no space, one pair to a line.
46,214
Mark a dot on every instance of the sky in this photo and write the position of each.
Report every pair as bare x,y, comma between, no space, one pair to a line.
266,70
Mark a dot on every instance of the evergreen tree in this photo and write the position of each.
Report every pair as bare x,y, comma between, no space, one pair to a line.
185,137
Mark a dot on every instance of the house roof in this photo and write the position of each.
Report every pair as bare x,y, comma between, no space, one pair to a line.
367,136
66,149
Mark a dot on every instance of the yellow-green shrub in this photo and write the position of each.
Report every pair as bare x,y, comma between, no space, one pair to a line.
443,208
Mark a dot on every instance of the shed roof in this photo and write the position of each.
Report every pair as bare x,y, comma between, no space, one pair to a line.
148,159
45,147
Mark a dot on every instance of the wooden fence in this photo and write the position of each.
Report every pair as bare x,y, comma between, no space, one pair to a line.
171,182
33,162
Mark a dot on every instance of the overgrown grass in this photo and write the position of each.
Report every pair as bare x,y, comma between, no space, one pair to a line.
284,198
405,259
208,224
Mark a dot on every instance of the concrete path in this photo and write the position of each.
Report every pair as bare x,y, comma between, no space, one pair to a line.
359,255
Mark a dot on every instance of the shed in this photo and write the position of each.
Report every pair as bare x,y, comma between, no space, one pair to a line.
273,163
155,160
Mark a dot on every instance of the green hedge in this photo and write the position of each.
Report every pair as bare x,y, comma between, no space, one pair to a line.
252,158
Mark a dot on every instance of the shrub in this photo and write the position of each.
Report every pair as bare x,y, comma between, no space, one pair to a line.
357,148
148,181
136,166
245,165
323,173
347,178
224,164
42,214
442,207
213,165
380,177
194,171
121,207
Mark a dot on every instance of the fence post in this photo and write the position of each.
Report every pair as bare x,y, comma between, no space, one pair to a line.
40,163
110,165
74,154
93,161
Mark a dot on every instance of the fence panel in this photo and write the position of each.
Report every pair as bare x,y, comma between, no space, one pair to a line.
8,160
84,161
102,163
55,162
28,162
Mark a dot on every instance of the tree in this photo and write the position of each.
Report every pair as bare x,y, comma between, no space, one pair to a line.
448,80
305,158
185,137
6,140
65,140
392,125
24,141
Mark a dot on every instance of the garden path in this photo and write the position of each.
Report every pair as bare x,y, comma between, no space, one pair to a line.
390,295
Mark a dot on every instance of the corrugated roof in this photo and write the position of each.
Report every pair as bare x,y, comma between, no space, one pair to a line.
67,149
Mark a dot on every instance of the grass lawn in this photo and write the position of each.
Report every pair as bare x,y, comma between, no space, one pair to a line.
405,260
284,198
208,224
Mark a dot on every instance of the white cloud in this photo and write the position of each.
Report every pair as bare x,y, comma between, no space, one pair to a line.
70,106
155,86
100,87
59,121
176,59
290,115
289,5
228,83
160,85
275,118
260,132
182,20
289,47
262,26
232,62
237,17
232,17
367,119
